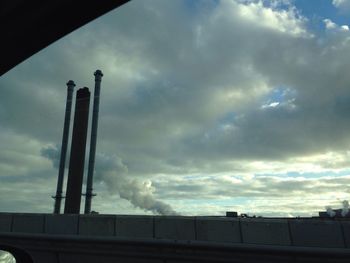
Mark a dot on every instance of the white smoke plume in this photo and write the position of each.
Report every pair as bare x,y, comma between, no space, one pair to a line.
345,209
330,211
114,174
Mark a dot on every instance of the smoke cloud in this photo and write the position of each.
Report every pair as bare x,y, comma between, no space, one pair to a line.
345,209
330,211
114,174
52,153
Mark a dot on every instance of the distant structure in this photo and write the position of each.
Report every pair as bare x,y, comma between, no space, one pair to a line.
58,197
337,213
78,148
77,156
89,185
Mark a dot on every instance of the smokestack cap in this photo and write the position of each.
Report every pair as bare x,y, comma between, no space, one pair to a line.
98,73
71,83
83,93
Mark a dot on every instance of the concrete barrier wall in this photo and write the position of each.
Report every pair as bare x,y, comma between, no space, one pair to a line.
218,229
61,224
264,231
317,233
175,227
135,226
28,223
5,222
97,225
346,232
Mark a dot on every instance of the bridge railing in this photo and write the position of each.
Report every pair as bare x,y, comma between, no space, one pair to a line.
199,238
263,231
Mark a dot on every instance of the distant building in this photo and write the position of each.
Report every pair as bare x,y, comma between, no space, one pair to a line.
338,213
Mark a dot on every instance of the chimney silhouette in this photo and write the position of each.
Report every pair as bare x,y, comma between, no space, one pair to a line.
89,190
77,156
58,197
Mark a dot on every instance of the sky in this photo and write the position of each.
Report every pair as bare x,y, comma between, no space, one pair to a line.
206,106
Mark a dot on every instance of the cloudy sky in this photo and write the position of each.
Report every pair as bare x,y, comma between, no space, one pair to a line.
206,106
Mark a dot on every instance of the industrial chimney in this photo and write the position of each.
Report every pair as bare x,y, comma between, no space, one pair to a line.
77,156
58,197
89,185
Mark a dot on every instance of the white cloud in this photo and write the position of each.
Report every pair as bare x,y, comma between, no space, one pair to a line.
260,194
342,5
330,25
345,27
285,21
270,105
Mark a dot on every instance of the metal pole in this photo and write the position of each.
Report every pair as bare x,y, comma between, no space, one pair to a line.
89,184
58,198
77,154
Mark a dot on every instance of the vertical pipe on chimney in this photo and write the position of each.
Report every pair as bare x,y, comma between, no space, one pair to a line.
89,185
58,198
77,155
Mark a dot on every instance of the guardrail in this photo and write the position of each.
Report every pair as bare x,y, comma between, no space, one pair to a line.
65,238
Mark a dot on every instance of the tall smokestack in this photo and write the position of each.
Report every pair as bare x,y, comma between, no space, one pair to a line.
89,190
58,197
77,156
